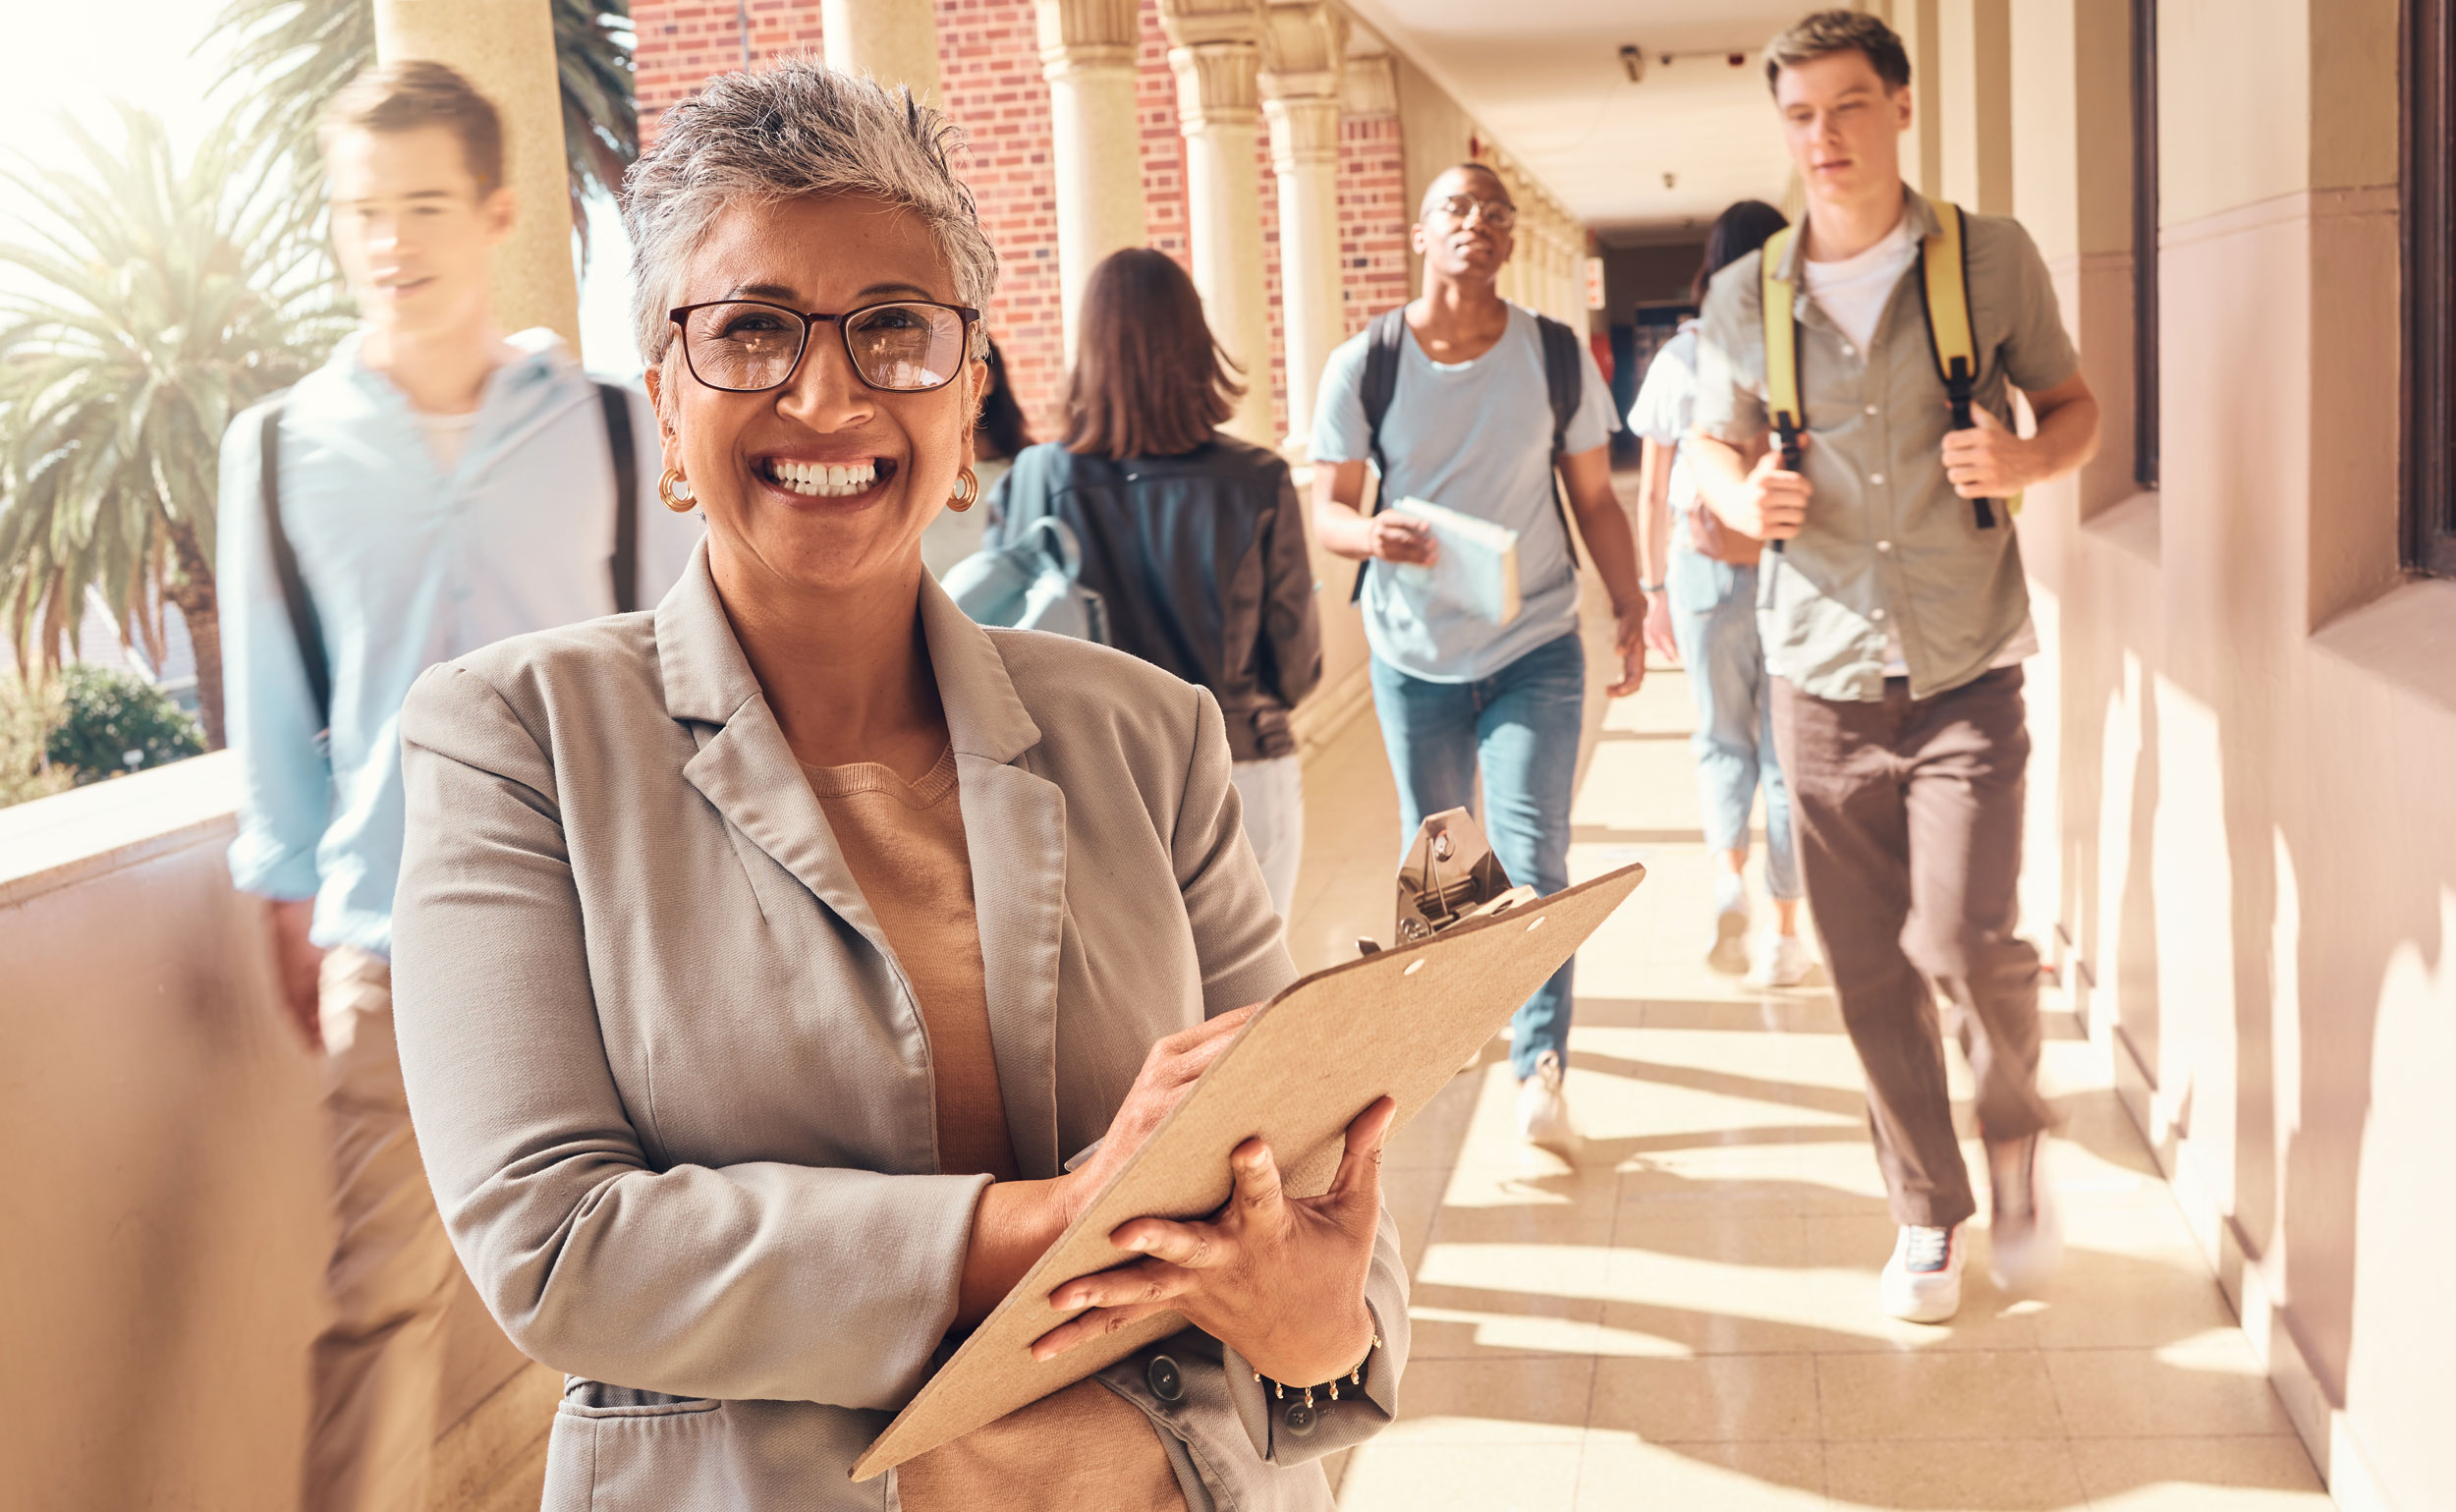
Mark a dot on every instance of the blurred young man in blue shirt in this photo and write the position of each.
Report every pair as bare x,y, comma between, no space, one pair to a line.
435,487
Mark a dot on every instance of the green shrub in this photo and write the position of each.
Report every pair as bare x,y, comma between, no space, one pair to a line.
114,723
28,713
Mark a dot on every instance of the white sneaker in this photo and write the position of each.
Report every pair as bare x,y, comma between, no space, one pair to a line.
1730,955
2026,1235
1542,1110
1922,1281
1781,962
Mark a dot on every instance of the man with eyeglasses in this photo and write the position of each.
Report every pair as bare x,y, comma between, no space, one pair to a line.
1466,401
435,487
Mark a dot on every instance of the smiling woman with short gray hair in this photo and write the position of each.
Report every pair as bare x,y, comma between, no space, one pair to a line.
761,960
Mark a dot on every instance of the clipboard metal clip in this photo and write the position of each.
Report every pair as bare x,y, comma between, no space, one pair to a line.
1449,877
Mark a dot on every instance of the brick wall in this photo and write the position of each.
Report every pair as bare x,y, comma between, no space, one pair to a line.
989,81
989,68
1373,218
683,41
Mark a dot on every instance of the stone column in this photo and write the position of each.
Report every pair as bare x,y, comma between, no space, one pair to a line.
506,49
1512,283
1087,56
1547,266
1572,286
1565,302
894,41
1216,50
1975,104
1568,298
1301,51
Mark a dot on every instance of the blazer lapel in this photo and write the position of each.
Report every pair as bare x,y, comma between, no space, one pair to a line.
744,766
1014,820
1015,830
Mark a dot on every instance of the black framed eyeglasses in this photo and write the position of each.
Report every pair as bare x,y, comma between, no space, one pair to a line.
1499,215
751,346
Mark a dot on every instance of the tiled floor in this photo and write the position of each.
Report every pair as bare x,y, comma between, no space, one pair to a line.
1685,1315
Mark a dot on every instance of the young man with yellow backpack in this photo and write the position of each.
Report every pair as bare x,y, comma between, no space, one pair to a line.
1854,403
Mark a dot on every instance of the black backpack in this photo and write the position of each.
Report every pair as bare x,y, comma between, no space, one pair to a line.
1564,379
308,628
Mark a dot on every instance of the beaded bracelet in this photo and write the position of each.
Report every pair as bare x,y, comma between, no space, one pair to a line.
1355,1377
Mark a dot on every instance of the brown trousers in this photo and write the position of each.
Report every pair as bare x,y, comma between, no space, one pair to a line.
377,1369
1908,815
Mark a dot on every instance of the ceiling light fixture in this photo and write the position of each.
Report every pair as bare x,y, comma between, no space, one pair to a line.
1731,57
1633,62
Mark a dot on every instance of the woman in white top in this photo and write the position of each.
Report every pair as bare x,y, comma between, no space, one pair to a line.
1701,587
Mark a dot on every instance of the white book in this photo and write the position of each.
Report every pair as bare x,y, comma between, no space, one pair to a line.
1474,563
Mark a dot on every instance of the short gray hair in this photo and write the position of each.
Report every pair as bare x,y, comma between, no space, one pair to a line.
793,130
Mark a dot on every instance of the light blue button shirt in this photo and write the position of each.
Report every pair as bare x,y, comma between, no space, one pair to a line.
409,566
1476,437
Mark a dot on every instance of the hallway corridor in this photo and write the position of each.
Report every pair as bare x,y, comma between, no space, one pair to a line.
1685,1316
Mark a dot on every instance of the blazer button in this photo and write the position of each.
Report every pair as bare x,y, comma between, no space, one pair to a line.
1299,1419
1166,1382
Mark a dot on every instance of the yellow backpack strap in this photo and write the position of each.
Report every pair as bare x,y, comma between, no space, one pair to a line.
1944,288
1782,349
1782,353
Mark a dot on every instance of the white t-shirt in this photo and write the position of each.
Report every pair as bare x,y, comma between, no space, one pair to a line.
1852,293
1666,402
447,437
1475,437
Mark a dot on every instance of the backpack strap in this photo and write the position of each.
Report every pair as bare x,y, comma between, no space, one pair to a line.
1782,348
1782,351
624,565
1944,291
1564,382
1384,336
306,628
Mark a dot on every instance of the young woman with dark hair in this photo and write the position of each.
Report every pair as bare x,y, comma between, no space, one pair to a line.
999,436
1700,606
1194,537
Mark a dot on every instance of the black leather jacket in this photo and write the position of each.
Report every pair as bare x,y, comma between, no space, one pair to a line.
1202,559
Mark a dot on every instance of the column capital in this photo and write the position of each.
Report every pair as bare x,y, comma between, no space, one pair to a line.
1087,34
1301,44
1200,23
1216,50
1303,130
1368,86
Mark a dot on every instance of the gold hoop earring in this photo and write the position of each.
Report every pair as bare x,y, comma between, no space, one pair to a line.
967,491
675,490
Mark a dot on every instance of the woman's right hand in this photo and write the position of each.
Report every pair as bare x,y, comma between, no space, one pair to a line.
1169,1070
1017,1222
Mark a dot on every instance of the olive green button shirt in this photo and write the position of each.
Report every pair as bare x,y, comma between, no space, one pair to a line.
1887,543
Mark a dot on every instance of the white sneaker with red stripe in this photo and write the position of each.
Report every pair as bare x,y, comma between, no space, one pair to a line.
1922,1281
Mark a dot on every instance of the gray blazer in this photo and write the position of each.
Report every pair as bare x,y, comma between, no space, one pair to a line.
670,1083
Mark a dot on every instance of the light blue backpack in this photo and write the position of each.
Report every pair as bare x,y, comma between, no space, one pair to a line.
1031,584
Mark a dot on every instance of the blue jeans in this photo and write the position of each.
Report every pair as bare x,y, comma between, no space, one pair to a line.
1713,618
1521,725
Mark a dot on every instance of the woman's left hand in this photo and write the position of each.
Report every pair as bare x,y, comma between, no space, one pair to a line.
1278,1279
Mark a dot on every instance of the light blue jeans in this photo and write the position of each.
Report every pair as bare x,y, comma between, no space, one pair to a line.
1520,726
1713,619
1273,793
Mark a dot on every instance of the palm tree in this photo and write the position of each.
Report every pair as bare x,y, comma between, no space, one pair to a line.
291,56
168,302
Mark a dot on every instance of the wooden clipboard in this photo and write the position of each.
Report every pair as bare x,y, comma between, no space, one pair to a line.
1397,1022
